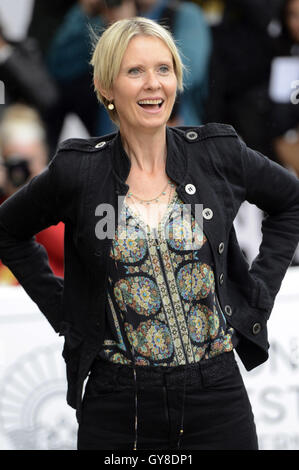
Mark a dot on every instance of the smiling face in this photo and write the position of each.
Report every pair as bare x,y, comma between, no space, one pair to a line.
144,91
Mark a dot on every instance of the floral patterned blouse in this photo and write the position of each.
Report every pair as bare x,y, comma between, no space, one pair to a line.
162,301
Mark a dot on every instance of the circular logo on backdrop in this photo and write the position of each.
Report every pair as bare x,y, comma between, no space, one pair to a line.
34,414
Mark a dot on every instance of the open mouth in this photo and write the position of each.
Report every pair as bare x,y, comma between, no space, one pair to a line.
151,105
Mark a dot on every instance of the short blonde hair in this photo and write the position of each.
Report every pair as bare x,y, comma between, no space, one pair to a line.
110,48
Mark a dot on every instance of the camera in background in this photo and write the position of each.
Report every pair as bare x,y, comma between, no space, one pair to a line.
17,170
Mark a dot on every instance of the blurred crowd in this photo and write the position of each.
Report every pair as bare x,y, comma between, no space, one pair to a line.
242,60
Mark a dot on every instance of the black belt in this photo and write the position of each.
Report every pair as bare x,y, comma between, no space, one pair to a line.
202,371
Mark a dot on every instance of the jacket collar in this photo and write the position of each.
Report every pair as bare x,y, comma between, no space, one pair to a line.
176,160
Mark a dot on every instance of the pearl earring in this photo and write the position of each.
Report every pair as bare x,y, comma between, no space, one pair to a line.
111,106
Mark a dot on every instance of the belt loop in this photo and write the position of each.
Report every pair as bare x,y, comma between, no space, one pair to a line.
165,375
198,374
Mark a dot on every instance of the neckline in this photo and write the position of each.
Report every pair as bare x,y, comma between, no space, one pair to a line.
157,228
176,158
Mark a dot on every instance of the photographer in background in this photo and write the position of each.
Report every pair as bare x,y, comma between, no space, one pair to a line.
25,75
24,154
46,18
68,62
240,68
22,145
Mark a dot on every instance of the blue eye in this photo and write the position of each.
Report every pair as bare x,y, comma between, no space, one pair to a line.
134,71
164,69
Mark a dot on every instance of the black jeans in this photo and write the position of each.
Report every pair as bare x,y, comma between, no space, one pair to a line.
217,411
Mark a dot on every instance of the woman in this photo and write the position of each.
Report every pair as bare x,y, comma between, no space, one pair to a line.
156,293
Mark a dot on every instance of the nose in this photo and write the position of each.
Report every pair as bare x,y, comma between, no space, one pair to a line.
152,81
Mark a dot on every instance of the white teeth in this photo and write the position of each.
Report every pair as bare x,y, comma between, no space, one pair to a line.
150,102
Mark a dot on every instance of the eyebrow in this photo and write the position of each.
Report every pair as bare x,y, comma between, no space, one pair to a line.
161,62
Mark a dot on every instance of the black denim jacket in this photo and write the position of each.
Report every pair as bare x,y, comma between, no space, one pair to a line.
86,173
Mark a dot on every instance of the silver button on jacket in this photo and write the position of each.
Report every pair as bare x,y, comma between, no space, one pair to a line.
190,188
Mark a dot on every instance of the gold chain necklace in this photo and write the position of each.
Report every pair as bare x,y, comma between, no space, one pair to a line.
168,204
156,199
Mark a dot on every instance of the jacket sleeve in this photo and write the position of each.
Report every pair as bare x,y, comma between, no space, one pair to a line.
37,205
275,191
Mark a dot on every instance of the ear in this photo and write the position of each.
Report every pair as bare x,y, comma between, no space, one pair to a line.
105,93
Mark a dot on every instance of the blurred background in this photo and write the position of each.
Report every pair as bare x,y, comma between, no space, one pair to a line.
243,69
